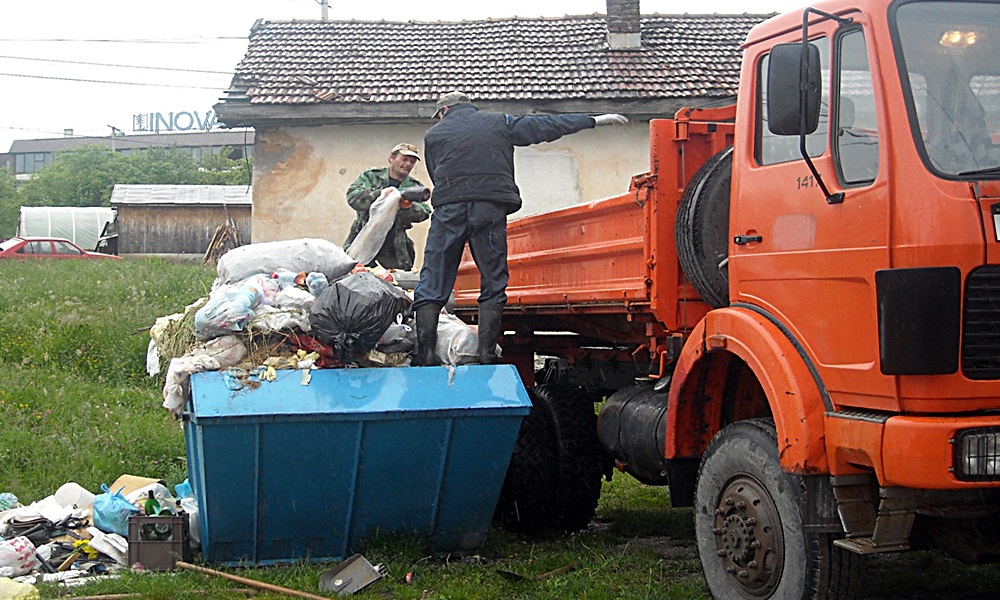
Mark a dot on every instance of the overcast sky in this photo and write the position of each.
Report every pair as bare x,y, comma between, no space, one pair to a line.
90,66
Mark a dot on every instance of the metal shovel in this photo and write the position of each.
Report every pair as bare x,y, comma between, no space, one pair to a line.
350,576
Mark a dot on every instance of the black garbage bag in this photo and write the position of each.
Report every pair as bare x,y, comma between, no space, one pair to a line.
353,313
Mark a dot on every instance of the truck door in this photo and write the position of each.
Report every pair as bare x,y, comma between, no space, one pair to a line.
808,263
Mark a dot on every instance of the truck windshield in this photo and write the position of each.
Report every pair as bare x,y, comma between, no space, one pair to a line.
951,59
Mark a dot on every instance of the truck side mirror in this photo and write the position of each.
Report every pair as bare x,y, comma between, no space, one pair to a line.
784,115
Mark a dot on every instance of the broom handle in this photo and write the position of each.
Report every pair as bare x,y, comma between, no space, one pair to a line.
251,582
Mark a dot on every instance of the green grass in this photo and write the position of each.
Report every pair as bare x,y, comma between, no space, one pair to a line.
76,405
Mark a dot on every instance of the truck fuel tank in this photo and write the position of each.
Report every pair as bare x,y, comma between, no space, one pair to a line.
632,427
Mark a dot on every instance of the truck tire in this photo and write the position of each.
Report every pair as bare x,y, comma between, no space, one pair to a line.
554,478
702,229
749,525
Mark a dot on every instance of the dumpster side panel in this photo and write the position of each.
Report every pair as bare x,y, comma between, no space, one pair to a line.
471,484
284,472
399,483
309,468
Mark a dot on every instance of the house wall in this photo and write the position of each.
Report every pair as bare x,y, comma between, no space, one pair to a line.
176,229
301,174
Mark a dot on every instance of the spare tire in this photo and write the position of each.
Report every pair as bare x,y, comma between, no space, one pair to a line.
703,229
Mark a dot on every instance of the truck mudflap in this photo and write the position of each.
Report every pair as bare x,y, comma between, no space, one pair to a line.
919,452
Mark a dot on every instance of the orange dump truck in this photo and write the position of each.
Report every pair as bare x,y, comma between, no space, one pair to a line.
793,319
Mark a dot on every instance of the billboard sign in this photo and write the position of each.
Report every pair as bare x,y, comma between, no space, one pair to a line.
155,122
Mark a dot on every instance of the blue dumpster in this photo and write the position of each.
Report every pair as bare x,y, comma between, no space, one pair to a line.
289,470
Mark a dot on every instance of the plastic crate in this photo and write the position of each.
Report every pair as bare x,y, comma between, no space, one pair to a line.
289,470
157,543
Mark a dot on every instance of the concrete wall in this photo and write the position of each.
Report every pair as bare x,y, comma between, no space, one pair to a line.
301,174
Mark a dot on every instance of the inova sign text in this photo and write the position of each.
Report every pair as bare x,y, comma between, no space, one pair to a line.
173,121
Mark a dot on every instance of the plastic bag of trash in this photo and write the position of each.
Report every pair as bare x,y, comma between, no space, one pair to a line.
457,342
17,557
381,215
272,319
309,254
230,307
112,510
176,385
228,350
399,337
353,313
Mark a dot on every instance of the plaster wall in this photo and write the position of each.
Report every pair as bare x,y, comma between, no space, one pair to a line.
301,174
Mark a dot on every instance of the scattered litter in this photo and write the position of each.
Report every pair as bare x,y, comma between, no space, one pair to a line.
8,501
12,590
112,510
17,556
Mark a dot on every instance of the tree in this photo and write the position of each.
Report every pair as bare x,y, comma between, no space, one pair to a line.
163,166
219,169
9,206
86,176
80,177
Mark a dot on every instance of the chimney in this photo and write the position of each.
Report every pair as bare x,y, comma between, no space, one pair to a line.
623,25
67,133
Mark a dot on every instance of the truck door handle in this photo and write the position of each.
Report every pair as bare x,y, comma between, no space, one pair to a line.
747,239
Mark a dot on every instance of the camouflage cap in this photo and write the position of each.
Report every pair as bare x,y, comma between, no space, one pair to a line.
406,150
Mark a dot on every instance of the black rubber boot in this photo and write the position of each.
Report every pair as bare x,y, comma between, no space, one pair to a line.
427,333
489,330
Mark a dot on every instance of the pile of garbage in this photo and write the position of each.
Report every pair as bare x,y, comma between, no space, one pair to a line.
296,304
75,535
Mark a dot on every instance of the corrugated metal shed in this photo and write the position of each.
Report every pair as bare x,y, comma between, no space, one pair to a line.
179,219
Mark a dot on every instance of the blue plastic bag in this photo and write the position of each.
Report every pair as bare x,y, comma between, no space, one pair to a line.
112,510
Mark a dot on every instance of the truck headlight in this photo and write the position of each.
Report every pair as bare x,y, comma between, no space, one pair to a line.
977,454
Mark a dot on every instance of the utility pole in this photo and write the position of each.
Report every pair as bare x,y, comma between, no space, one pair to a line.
114,134
325,6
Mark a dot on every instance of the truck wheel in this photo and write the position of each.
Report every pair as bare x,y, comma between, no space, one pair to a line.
749,525
554,477
702,229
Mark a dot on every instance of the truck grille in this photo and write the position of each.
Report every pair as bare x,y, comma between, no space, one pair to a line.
981,324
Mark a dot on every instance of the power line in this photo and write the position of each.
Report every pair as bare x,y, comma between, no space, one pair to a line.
93,64
197,40
167,85
132,137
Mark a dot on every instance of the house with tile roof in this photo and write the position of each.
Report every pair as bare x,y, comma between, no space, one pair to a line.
329,99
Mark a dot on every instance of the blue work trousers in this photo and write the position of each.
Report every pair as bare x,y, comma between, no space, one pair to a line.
483,225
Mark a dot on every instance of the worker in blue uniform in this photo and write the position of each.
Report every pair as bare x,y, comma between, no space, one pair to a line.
469,155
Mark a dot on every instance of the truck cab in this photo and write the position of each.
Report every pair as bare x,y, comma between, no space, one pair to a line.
792,319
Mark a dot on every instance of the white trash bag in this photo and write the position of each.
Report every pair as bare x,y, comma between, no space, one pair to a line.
457,341
302,255
17,557
381,215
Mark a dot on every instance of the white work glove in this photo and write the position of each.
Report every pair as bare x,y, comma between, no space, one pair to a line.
610,119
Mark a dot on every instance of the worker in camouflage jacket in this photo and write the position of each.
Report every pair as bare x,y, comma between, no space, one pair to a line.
397,252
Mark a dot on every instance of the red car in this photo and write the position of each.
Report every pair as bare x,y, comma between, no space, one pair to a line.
42,247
